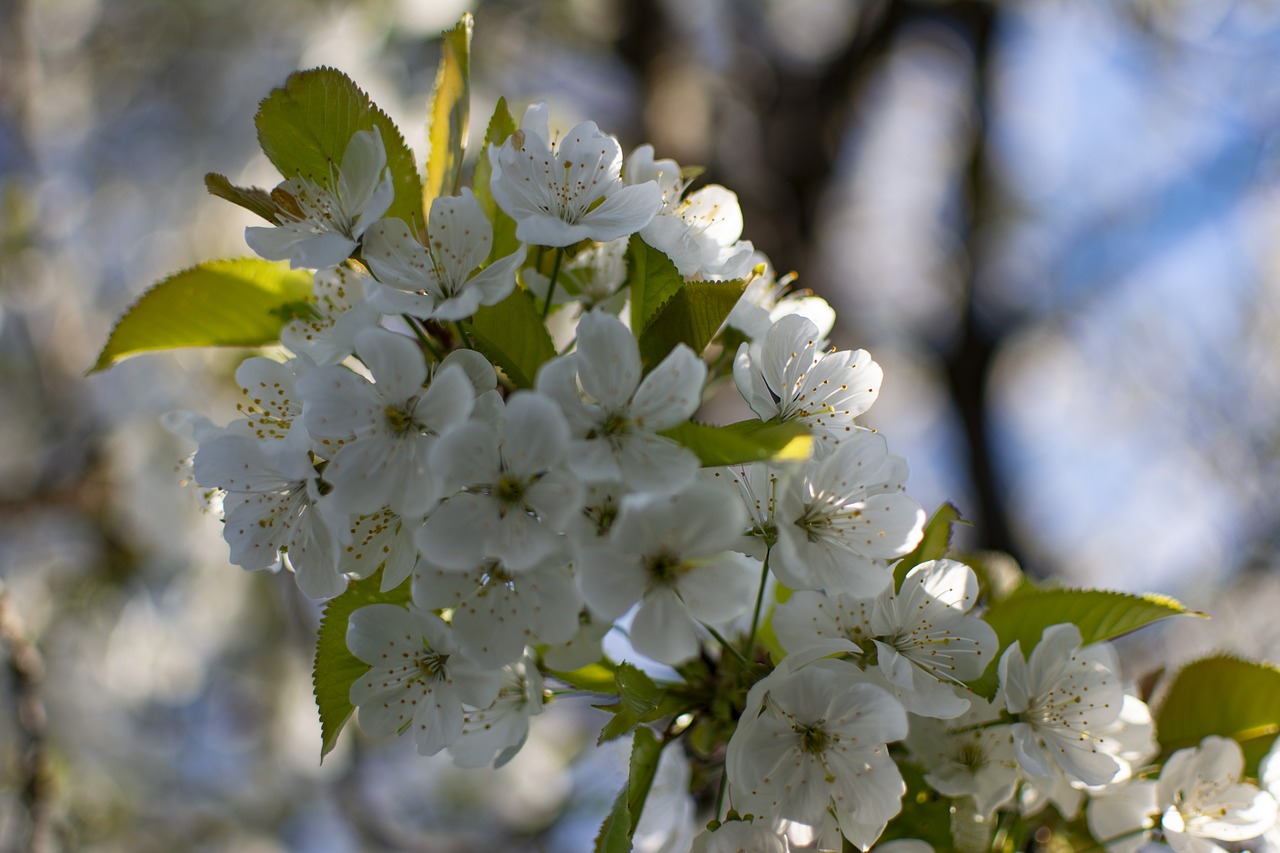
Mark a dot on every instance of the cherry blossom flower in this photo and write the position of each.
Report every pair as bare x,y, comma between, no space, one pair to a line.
496,732
794,379
700,231
615,415
812,742
497,610
671,554
560,194
338,312
740,836
840,524
439,279
270,508
1063,696
921,638
379,540
417,675
270,403
321,225
968,756
512,492
383,431
1201,798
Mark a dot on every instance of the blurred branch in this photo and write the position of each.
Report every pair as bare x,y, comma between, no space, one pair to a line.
27,672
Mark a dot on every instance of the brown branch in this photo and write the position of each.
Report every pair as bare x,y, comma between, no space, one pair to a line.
26,670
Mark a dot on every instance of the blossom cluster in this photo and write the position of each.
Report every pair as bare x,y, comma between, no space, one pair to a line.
513,527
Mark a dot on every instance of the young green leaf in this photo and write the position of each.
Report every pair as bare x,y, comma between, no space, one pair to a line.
305,125
595,677
241,302
692,316
934,545
501,126
253,199
744,441
511,335
336,669
450,113
619,827
1099,614
636,689
653,280
1222,695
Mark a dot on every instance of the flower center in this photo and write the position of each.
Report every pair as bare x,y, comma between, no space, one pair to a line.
399,419
663,568
510,490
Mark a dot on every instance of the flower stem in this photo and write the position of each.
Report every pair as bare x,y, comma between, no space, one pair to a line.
750,648
727,645
422,336
724,784
551,285
462,333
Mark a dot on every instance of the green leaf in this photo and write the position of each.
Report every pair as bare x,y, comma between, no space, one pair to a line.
1222,695
999,575
450,113
304,128
1099,614
934,545
618,828
336,669
596,677
253,199
241,302
653,280
501,126
925,814
692,316
636,689
744,441
511,335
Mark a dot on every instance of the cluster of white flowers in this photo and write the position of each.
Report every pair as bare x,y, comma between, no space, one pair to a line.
525,522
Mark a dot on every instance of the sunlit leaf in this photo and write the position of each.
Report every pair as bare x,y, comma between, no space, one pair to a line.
1222,695
241,302
304,128
596,677
336,669
692,317
744,441
511,335
934,545
1099,614
501,126
450,113
652,279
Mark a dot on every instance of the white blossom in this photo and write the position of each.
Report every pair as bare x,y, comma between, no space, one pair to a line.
321,225
497,611
512,492
968,756
671,554
379,540
439,279
794,379
615,413
496,732
812,742
1063,696
381,432
739,836
338,311
270,508
700,231
417,676
560,194
842,522
1201,798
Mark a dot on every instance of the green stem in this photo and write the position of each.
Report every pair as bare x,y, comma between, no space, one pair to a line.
724,784
422,337
728,646
551,285
462,333
755,617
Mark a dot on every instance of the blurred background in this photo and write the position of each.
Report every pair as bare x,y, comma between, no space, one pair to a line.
1052,223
